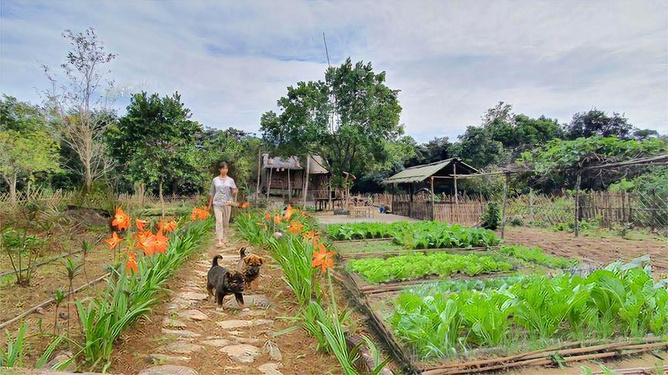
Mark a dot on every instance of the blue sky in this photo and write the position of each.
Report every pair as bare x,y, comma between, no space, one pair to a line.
451,60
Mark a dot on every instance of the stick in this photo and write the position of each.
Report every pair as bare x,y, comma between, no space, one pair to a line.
50,301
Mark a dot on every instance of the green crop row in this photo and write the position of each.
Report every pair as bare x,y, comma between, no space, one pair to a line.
606,303
537,256
413,266
417,235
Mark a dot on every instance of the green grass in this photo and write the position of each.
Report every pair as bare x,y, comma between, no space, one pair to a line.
414,266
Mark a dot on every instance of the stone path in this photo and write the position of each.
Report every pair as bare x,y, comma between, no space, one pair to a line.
239,340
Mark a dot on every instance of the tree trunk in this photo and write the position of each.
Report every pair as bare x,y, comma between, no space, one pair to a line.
12,189
88,176
162,201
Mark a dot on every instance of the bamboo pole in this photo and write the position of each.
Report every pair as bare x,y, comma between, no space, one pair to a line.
503,205
306,178
259,171
433,202
576,223
271,169
289,186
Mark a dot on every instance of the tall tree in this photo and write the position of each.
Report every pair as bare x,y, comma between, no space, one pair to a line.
25,145
596,122
155,140
74,102
347,119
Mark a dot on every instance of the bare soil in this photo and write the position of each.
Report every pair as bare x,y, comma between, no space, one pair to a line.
591,250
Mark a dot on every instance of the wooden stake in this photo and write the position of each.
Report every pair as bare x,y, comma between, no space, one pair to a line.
503,205
576,223
308,175
259,171
433,203
289,186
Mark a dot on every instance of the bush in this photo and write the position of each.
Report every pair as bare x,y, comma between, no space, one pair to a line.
491,218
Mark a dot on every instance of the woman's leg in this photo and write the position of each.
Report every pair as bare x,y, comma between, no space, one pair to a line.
227,210
218,212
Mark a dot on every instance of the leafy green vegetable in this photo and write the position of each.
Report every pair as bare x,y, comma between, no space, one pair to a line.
413,266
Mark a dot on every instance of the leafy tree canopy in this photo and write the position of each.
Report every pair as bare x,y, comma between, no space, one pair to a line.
598,123
349,119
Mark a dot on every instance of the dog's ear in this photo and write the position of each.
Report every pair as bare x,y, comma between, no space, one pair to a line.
228,274
261,260
242,251
247,259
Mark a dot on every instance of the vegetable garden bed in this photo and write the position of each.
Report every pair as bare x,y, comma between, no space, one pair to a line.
493,321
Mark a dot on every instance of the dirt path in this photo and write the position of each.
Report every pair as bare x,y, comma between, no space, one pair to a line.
188,335
597,251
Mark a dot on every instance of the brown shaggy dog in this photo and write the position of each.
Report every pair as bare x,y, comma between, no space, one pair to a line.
249,266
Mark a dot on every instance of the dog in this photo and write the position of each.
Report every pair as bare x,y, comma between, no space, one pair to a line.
224,282
249,266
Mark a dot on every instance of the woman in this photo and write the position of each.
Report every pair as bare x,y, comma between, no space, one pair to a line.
222,195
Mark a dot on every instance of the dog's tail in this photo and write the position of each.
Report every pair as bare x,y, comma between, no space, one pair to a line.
215,260
242,253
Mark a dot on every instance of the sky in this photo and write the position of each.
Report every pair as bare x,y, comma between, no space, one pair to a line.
451,60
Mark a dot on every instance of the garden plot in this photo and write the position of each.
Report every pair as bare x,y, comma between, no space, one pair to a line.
506,307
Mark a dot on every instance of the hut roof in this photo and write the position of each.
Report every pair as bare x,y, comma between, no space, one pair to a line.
422,172
293,163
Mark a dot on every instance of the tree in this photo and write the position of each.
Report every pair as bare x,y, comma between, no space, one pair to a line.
25,145
74,103
154,141
347,119
435,150
595,122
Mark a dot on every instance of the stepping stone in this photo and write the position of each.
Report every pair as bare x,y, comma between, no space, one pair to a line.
168,370
271,369
195,315
255,300
216,342
181,332
230,324
180,303
173,323
273,350
248,313
182,347
193,296
246,340
162,358
242,353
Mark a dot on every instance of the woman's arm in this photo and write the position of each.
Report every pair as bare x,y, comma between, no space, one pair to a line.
210,202
212,191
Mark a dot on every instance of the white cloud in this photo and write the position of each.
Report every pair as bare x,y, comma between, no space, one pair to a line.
451,60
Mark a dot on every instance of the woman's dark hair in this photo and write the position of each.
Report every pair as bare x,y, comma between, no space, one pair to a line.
222,165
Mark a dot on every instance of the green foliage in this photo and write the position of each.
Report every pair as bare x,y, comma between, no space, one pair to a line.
536,255
598,123
154,141
618,300
491,217
413,266
126,298
366,118
22,249
13,355
417,235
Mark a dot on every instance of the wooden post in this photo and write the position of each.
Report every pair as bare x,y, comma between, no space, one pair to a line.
259,172
454,170
576,224
410,203
271,169
289,186
531,213
306,178
503,205
433,201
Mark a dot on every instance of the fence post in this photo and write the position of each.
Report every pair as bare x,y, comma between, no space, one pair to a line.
576,224
433,201
531,213
259,171
503,205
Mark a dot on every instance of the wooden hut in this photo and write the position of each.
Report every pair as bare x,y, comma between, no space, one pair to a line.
425,177
285,176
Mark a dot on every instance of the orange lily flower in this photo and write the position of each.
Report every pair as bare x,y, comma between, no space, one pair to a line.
121,219
288,212
277,219
131,264
160,242
296,227
244,205
323,258
199,213
167,226
113,241
146,242
141,224
315,236
267,216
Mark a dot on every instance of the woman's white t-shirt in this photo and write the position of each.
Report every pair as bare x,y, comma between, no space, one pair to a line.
221,190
